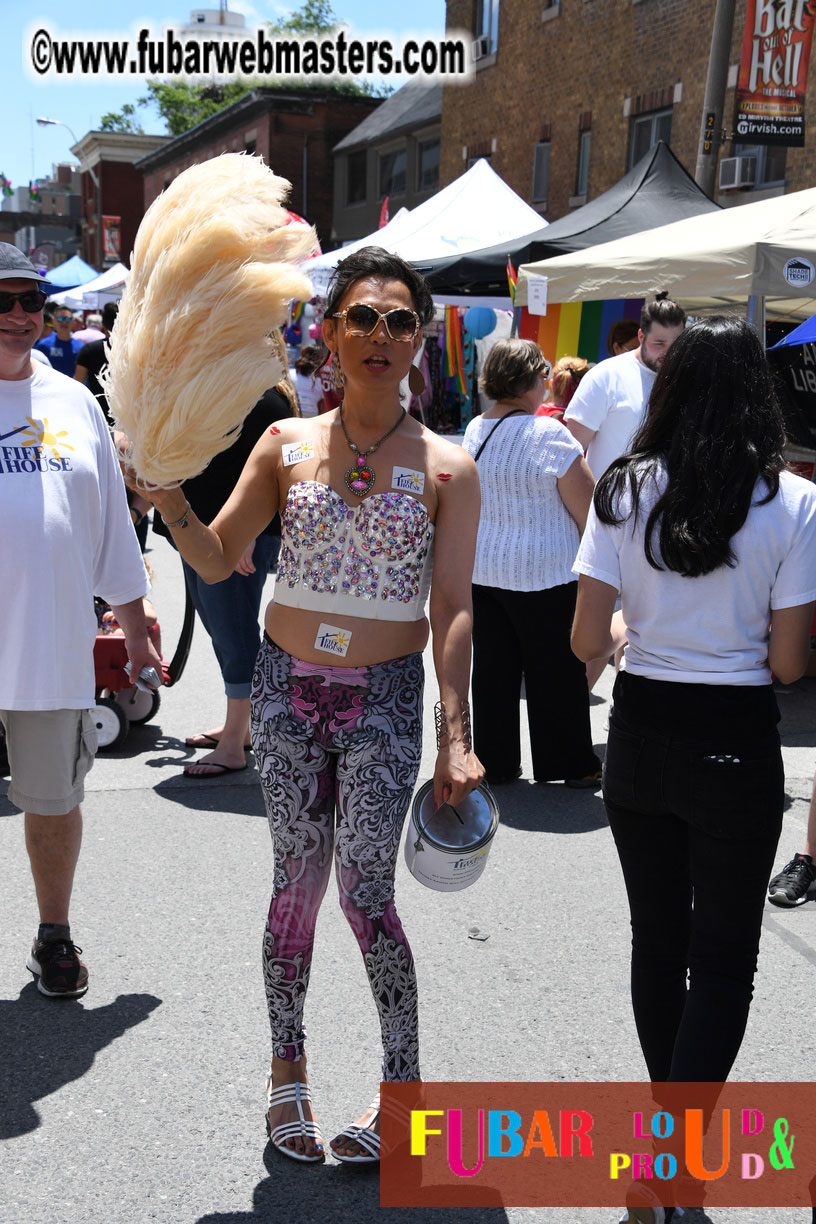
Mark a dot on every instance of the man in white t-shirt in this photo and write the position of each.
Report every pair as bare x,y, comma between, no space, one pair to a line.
610,403
66,536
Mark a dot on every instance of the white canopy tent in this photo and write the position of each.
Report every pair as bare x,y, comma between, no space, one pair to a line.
107,287
474,211
764,251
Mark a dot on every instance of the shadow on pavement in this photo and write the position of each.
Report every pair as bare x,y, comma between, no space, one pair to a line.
200,795
345,1195
796,705
47,1043
549,808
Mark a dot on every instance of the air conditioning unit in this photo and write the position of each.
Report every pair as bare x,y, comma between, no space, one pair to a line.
480,48
736,172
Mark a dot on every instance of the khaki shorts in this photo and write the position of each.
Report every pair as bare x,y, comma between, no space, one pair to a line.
50,752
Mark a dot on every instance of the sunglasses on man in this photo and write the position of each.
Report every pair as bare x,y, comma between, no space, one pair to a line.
361,320
31,301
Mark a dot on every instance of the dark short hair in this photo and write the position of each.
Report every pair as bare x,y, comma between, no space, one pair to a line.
375,261
512,369
620,333
663,311
308,359
109,313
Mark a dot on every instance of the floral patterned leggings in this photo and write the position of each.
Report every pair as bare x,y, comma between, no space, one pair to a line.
326,738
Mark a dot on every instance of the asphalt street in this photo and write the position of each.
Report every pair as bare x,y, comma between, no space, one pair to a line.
144,1102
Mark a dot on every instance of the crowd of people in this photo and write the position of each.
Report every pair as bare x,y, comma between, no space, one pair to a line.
646,513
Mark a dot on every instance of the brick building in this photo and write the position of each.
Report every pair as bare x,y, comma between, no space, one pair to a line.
568,94
117,191
393,154
293,130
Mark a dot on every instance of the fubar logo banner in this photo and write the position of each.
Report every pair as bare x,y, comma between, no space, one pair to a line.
588,1144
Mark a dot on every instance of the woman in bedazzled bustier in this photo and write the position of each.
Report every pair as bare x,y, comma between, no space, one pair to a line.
370,501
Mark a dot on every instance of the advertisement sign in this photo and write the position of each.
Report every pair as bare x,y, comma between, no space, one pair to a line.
770,101
111,239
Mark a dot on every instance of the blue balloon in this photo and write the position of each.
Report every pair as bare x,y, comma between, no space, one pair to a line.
480,321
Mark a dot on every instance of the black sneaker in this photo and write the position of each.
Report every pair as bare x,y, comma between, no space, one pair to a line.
56,965
791,886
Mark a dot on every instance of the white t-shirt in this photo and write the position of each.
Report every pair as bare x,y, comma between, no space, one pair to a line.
611,399
527,538
66,536
309,393
712,629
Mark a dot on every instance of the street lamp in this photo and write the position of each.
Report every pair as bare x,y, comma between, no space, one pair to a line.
43,122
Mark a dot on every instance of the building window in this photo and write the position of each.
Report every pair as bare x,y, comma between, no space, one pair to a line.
582,181
392,173
487,25
541,172
471,161
428,165
356,169
250,146
646,131
770,164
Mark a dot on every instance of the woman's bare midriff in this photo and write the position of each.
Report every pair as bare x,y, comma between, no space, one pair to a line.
295,630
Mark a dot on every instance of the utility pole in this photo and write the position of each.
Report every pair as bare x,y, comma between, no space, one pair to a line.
716,81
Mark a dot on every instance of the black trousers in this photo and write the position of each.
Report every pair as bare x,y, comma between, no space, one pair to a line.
527,633
694,790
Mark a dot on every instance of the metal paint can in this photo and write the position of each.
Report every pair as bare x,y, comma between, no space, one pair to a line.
447,849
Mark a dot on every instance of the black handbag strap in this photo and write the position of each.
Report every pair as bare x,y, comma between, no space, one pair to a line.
512,412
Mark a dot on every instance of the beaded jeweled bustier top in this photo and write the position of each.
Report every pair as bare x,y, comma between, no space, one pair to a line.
373,560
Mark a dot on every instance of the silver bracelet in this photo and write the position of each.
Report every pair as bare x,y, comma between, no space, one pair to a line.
182,522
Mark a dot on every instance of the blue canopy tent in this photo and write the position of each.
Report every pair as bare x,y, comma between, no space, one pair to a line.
805,333
73,272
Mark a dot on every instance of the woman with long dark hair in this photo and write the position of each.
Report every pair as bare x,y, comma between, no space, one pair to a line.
709,541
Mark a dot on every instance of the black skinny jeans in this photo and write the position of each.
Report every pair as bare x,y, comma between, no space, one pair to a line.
694,789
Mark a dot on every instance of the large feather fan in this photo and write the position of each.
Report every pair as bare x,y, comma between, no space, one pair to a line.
213,269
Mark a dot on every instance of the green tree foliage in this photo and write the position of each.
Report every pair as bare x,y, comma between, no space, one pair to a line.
313,17
183,105
123,120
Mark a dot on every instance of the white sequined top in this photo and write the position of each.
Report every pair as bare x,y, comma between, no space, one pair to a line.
372,561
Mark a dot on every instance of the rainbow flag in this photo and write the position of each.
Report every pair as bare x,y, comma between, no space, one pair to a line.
577,329
454,359
511,279
297,311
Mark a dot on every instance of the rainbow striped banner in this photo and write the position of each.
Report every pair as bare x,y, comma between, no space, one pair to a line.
455,362
577,329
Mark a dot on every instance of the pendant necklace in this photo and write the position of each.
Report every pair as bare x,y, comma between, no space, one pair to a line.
361,476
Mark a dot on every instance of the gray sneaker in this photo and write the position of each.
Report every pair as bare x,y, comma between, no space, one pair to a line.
791,886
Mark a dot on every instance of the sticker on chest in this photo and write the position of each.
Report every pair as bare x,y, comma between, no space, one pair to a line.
332,639
296,452
408,480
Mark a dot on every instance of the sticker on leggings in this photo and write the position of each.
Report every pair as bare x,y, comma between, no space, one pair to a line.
333,640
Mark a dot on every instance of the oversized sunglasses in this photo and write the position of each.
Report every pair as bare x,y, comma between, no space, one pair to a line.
361,320
31,301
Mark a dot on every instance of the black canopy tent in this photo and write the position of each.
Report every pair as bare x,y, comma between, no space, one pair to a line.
655,191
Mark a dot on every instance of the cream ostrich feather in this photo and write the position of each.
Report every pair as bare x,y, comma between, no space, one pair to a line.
214,267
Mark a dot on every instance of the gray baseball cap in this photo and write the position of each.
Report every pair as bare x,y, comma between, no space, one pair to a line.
14,265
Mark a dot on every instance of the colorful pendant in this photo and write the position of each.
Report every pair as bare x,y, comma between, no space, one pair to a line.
360,478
